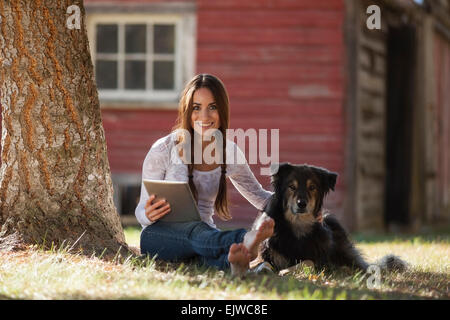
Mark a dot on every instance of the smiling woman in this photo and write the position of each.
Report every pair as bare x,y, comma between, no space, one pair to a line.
203,108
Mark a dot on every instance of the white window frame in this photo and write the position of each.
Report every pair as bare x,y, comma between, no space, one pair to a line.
183,57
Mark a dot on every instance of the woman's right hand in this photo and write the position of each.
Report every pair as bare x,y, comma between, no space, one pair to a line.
155,211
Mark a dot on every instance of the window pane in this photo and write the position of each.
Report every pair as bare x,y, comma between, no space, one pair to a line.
106,74
163,75
107,38
164,38
134,74
135,35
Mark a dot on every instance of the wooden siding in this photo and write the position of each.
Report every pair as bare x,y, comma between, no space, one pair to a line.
442,126
370,123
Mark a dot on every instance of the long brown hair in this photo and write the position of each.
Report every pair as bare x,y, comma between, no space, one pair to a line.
185,108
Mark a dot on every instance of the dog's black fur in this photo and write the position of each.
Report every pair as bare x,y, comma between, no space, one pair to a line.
302,232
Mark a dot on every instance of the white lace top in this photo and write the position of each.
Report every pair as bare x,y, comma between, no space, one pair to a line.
163,163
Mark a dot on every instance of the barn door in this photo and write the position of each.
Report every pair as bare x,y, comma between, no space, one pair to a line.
399,123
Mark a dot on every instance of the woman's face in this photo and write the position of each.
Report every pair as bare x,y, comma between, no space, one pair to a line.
205,114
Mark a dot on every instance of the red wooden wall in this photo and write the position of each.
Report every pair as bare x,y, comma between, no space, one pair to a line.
282,63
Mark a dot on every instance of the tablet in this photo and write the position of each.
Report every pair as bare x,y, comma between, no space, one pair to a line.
178,194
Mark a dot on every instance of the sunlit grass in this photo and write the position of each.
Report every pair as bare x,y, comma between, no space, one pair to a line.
58,274
133,235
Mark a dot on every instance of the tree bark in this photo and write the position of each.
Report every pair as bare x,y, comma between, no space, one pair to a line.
55,180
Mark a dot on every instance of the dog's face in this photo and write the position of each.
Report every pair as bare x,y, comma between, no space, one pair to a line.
300,190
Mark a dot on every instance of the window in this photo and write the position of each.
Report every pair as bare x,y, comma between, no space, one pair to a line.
140,57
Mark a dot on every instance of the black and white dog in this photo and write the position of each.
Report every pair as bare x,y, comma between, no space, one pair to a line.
302,231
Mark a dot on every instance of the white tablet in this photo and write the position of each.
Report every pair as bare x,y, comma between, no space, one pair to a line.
178,194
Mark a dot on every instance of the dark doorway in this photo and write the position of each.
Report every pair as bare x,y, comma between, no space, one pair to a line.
130,195
400,105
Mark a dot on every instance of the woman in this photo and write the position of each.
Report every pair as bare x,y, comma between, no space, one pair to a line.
203,109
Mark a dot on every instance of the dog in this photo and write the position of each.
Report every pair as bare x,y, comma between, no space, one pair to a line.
302,230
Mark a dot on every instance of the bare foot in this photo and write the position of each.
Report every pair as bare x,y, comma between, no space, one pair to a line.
253,238
239,259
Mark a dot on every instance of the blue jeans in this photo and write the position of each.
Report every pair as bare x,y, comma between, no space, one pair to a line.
187,240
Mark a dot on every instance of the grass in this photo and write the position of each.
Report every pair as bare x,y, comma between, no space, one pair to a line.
59,274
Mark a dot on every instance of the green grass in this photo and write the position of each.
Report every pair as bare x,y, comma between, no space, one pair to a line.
58,274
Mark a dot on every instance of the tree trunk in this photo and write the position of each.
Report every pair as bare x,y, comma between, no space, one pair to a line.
55,180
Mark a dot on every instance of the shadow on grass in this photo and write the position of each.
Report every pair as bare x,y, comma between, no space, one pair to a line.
334,285
293,288
422,283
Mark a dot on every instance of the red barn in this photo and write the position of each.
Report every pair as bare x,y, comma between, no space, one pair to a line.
370,104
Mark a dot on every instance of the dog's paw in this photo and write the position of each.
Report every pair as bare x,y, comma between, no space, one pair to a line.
264,268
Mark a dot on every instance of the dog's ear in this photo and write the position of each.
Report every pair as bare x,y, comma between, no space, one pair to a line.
279,170
278,173
327,178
